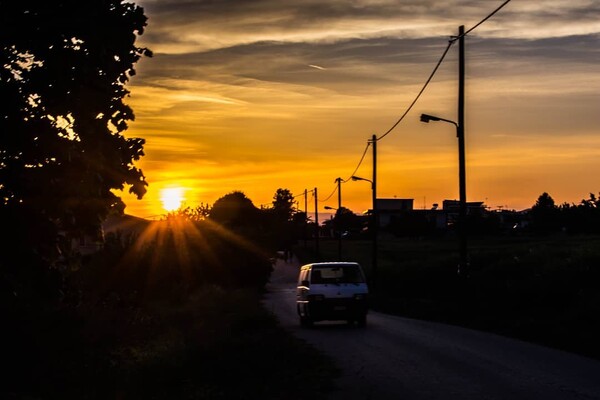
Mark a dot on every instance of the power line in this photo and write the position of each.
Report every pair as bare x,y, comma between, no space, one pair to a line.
346,180
450,43
359,163
482,21
328,197
433,72
302,194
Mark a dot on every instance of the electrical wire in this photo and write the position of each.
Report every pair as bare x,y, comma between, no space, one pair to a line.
482,21
450,43
312,191
359,163
332,193
420,92
346,180
302,194
433,72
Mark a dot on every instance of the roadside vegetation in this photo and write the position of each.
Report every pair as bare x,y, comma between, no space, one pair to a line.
172,313
539,288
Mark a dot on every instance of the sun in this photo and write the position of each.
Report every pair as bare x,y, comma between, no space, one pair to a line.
171,198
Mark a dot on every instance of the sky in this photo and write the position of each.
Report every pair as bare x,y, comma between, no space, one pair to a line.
256,95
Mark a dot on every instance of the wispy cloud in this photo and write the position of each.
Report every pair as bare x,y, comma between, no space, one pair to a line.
241,94
183,26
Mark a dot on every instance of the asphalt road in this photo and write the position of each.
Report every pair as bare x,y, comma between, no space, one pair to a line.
400,358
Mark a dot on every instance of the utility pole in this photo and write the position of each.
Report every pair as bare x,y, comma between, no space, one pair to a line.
317,230
305,215
374,217
463,268
338,212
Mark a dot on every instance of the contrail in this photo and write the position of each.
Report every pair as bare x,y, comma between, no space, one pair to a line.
316,67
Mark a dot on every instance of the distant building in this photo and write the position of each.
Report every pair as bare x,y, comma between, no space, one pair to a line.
388,209
473,207
452,209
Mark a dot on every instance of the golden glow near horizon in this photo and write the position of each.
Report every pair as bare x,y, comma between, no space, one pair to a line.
269,95
171,198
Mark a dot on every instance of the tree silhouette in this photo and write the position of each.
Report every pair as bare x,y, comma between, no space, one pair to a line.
583,217
62,153
282,225
283,204
198,213
234,210
345,220
545,216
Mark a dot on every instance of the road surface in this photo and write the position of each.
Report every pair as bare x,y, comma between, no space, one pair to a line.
400,358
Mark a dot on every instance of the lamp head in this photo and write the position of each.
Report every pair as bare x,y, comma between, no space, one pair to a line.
426,118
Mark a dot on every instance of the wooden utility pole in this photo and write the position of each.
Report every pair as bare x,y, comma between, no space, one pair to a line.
374,216
338,212
305,215
317,229
463,263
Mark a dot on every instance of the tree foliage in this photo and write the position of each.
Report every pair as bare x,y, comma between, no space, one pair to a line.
345,221
198,213
283,204
544,214
581,218
64,67
234,210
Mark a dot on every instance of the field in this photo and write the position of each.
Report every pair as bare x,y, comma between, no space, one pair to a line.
540,289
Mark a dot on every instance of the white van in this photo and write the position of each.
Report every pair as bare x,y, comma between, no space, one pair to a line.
332,291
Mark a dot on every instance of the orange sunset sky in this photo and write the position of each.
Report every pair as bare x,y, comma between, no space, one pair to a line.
260,95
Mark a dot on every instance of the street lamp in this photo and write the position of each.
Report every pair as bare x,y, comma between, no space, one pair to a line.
463,262
358,178
426,118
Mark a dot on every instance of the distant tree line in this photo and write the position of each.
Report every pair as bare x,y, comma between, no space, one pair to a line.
231,244
544,217
276,227
581,218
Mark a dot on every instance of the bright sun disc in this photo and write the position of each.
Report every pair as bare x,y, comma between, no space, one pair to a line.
171,198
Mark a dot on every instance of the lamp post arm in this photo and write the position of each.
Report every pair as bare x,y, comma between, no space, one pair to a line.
449,121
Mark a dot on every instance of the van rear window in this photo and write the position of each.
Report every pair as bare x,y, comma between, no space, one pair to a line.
345,274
